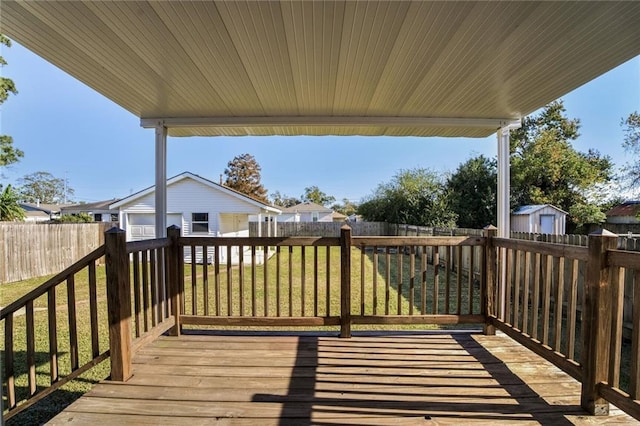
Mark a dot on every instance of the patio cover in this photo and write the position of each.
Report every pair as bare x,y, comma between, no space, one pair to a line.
397,68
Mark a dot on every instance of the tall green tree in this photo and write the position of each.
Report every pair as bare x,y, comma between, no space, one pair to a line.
545,168
8,153
43,187
473,188
283,200
10,210
346,207
243,175
631,144
415,197
313,194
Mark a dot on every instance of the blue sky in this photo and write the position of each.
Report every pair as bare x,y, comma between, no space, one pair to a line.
69,130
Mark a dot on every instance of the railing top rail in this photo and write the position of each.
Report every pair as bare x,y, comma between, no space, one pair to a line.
624,258
418,241
51,282
551,249
134,246
259,241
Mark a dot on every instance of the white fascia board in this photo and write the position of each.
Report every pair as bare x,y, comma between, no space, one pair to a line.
485,123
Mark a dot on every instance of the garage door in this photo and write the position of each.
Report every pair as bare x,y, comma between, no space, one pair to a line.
142,226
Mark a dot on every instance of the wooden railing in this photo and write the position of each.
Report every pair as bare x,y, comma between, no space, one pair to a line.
61,355
540,304
312,281
527,289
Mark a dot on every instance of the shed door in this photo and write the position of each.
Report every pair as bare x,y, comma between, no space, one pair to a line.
547,224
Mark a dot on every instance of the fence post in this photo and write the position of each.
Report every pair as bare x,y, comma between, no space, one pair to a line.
489,279
118,303
345,281
596,322
174,263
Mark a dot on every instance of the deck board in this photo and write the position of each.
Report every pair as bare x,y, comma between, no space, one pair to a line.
389,378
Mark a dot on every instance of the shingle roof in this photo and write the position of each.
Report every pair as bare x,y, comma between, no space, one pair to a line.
628,208
307,207
532,208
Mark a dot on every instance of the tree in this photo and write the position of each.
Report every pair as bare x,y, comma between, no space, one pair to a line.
283,200
473,188
415,197
312,194
8,153
631,144
43,187
347,207
81,217
243,175
545,168
10,210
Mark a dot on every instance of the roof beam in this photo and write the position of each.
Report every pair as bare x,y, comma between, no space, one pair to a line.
366,121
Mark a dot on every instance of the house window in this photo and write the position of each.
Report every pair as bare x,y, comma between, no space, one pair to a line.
314,216
114,217
97,217
200,222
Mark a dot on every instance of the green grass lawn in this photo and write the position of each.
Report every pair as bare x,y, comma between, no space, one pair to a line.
294,293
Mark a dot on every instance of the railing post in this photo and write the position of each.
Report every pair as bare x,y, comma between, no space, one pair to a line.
345,281
118,304
596,322
489,284
174,263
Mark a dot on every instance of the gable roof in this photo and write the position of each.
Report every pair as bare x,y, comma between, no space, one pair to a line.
307,207
204,181
98,205
42,207
628,208
532,208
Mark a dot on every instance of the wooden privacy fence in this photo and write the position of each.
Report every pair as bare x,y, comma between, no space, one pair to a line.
316,229
30,250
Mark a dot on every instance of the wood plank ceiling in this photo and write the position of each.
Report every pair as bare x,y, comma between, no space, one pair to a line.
329,67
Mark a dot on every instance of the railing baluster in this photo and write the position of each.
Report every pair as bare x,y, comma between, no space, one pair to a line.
525,292
399,277
423,281
194,280
146,308
136,293
278,295
265,275
153,282
535,305
617,307
458,266
9,374
328,280
241,279
516,288
436,281
290,270
315,281
508,288
572,307
205,279
253,280
362,281
412,277
31,348
229,283
471,276
216,272
546,298
73,323
387,293
53,334
375,280
559,302
303,290
93,310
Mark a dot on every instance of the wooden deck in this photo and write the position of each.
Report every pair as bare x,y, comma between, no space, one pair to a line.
373,378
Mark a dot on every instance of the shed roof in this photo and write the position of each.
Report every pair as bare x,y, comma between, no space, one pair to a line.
532,208
436,68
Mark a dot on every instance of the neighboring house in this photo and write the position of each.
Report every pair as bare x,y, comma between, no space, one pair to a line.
39,212
307,212
99,210
197,205
539,219
626,213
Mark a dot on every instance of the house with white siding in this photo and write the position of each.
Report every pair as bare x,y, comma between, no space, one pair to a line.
307,212
99,210
198,206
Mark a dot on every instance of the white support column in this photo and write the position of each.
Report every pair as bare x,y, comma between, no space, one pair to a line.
504,186
275,225
161,180
259,225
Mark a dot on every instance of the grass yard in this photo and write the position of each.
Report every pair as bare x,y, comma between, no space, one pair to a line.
295,293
